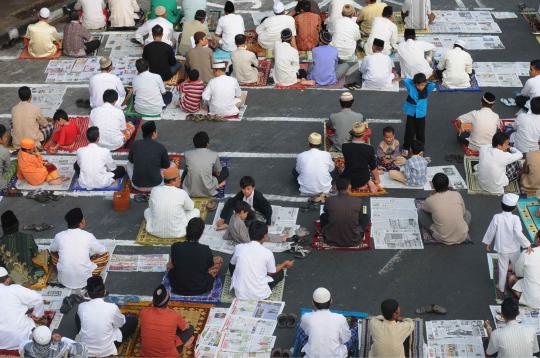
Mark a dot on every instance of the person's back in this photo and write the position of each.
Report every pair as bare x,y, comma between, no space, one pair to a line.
148,158
190,28
383,29
447,210
222,92
314,167
158,331
42,38
171,8
491,170
166,214
192,91
286,64
93,17
201,163
99,83
359,161
342,123
388,336
250,278
111,123
100,323
457,65
416,170
514,340
160,57
377,71
95,163
189,275
343,227
245,66
228,27
123,12
412,58
30,167
485,124
344,37
528,269
75,35
200,59
147,89
26,119
368,13
270,30
527,133
326,331
325,60
308,25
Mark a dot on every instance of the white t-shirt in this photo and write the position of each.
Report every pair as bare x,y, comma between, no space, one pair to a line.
286,64
111,123
412,58
93,17
269,31
96,164
382,29
221,93
458,66
147,88
253,264
101,82
314,167
327,334
527,133
485,123
346,34
492,168
531,89
228,27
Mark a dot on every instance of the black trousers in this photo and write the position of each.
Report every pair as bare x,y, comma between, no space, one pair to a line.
119,172
415,128
278,276
91,46
184,336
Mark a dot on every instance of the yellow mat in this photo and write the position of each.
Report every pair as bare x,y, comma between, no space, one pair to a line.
401,25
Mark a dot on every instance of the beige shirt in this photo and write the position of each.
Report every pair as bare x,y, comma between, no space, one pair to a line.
368,13
388,336
484,122
200,59
26,121
447,211
42,37
530,181
190,29
245,66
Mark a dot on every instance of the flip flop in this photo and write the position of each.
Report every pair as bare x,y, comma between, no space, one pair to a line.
432,308
276,352
38,227
292,319
282,320
300,252
286,353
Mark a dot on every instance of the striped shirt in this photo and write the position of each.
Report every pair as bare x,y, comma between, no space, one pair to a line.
513,340
191,95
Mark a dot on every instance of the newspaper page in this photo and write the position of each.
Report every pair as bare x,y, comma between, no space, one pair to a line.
454,329
237,341
121,46
139,263
394,224
503,15
269,310
54,296
258,326
217,317
527,316
455,347
81,70
473,22
500,74
48,98
456,180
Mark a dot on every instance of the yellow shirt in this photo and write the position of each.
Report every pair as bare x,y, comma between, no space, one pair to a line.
367,14
42,37
388,336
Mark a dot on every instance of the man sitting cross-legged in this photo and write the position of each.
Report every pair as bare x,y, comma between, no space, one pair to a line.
72,250
484,124
170,208
342,121
101,325
389,331
360,161
376,68
50,344
414,173
95,165
525,282
287,70
160,55
200,57
253,267
78,41
192,266
343,222
149,91
244,62
164,332
32,168
223,93
457,66
42,38
328,333
105,80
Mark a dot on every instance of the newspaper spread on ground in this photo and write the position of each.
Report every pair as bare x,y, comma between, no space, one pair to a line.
503,15
500,74
53,298
121,45
394,224
527,316
455,329
81,69
444,42
472,22
48,98
455,347
139,263
456,180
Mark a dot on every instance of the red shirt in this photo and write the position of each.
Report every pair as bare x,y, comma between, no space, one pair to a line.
158,332
66,135
192,95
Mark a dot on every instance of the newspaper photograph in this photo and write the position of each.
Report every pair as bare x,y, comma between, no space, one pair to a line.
455,347
245,342
527,316
262,327
268,310
454,329
456,180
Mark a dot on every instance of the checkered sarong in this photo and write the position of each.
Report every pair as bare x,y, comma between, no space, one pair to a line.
513,170
352,344
47,131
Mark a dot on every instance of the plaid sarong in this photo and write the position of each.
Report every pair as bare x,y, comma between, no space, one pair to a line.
47,131
512,171
351,344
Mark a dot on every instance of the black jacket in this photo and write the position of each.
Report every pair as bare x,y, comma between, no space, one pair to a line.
260,204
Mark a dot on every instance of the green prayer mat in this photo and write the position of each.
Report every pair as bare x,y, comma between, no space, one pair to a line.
472,179
227,296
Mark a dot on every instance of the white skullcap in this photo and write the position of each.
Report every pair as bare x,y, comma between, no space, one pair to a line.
321,295
44,13
510,199
346,96
460,43
315,138
42,335
3,272
218,65
278,7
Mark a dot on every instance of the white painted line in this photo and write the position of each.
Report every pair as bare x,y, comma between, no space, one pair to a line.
293,199
480,3
460,4
395,2
257,155
17,85
391,263
312,120
8,58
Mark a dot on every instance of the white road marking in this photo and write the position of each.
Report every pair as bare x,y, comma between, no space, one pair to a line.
314,120
17,85
395,2
480,3
460,4
392,262
257,155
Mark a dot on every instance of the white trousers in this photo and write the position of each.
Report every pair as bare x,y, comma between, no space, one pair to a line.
504,260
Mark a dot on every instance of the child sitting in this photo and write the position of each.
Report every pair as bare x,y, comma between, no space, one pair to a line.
33,168
506,229
191,93
237,230
66,134
388,155
415,172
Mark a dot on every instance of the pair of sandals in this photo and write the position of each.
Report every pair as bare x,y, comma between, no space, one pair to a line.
508,102
38,227
432,308
299,251
287,320
42,196
353,86
281,352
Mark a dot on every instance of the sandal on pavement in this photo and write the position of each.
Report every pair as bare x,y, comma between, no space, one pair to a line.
292,319
38,227
282,320
276,352
141,198
301,232
432,308
300,252
286,353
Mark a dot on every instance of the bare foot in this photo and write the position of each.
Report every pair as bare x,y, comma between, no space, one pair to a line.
372,187
221,226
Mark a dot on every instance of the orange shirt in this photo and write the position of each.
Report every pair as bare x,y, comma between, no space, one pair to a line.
308,25
158,332
31,168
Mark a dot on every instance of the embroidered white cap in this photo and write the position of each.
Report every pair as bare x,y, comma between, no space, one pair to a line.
218,65
460,43
315,138
44,13
278,7
3,272
321,295
510,199
42,335
346,96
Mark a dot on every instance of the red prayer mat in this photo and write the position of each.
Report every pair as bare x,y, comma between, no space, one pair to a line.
318,241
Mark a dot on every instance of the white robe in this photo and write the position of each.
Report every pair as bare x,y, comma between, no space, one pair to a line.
418,14
458,66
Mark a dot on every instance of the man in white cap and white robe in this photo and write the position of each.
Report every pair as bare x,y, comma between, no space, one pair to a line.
415,55
269,31
223,93
143,35
327,332
104,80
456,65
314,167
505,232
286,69
377,68
93,17
44,344
42,38
385,29
15,324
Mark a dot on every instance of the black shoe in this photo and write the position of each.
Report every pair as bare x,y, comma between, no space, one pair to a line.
82,103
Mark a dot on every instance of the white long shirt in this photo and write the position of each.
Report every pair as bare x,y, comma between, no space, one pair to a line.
96,164
334,13
484,122
382,29
169,211
111,123
221,94
528,267
15,325
531,89
93,17
327,334
147,88
228,27
74,247
286,64
314,167
458,66
253,264
376,71
269,31
513,340
505,229
527,135
146,30
100,327
123,12
412,58
346,34
418,13
101,82
492,168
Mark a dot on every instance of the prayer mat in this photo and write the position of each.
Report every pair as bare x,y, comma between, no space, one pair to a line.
474,84
12,181
173,157
413,345
253,45
265,66
212,297
472,179
221,55
80,141
353,319
145,238
8,353
530,17
340,84
137,122
305,56
195,314
64,166
401,24
204,116
527,207
328,133
116,186
25,55
227,296
318,241
295,86
175,79
221,191
364,191
131,112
